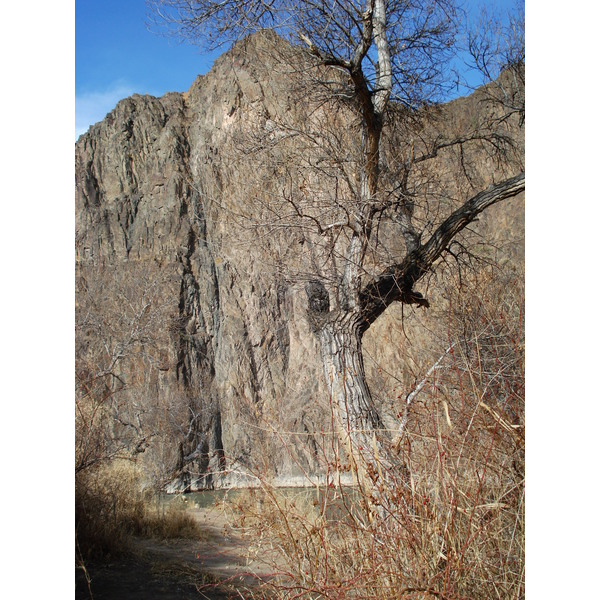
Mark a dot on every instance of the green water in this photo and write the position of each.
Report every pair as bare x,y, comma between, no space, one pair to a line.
338,502
210,498
206,498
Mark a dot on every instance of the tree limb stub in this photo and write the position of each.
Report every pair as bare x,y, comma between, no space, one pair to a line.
396,282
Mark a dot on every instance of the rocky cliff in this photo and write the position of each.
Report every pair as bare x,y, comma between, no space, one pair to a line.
190,300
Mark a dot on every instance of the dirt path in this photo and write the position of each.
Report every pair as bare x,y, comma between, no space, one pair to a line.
220,565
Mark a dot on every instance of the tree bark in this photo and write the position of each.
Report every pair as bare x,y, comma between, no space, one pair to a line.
360,425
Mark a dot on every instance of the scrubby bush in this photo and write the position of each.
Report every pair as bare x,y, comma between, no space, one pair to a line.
447,520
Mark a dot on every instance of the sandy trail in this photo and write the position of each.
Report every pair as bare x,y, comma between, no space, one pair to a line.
220,565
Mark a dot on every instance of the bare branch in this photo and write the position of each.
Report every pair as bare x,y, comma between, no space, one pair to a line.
396,282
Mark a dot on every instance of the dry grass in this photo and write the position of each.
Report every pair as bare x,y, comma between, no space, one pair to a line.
454,531
110,508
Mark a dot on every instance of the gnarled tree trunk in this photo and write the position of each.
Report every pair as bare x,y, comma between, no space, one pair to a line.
360,428
340,332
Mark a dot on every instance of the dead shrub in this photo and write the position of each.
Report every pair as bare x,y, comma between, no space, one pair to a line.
448,518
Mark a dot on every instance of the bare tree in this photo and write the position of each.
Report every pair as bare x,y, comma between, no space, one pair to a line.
120,343
495,46
373,70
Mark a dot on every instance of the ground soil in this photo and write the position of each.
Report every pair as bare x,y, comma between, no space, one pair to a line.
219,565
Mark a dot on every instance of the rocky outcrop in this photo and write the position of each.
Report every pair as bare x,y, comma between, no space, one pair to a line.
232,386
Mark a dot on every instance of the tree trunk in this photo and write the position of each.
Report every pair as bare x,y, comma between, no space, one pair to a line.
360,426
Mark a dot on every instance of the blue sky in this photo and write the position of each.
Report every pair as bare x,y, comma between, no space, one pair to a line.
117,55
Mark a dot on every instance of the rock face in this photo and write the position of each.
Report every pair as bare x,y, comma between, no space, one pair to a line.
225,381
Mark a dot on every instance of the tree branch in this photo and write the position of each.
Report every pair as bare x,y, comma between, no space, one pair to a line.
397,281
415,392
